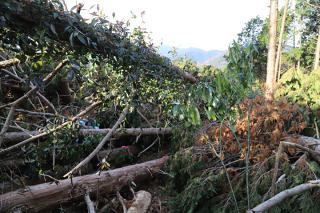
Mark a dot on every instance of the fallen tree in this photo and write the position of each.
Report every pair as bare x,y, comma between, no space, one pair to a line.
129,131
30,15
39,197
11,137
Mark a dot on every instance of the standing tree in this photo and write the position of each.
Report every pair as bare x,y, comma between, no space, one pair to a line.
300,32
272,48
279,51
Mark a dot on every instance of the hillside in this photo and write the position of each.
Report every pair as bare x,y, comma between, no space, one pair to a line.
217,61
200,56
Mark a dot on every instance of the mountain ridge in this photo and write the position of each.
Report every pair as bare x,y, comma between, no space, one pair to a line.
212,57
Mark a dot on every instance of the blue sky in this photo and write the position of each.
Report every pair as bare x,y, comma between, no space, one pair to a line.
205,24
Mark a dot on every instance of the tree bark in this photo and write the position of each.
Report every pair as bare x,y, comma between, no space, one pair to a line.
9,62
272,48
40,197
317,53
279,51
11,137
283,195
130,131
300,34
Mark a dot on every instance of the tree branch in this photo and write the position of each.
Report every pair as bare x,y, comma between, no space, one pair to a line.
9,62
283,195
3,151
101,144
89,203
27,95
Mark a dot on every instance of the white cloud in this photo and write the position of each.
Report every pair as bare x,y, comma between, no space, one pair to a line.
206,24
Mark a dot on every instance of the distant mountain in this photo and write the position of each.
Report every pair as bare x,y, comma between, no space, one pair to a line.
217,61
212,57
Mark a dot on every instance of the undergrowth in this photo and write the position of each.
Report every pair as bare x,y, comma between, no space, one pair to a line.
199,182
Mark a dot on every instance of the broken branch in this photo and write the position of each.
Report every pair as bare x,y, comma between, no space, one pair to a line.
32,138
9,62
283,195
101,144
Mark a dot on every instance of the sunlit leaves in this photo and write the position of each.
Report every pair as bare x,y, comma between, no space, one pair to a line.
195,115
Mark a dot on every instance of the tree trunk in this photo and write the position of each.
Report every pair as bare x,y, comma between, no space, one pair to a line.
272,48
279,72
11,137
279,51
317,53
129,131
42,196
300,36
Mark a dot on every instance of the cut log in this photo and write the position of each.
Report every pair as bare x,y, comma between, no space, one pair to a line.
11,137
40,197
130,131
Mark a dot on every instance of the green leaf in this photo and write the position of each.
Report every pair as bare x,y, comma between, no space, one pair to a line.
210,114
53,29
81,39
195,116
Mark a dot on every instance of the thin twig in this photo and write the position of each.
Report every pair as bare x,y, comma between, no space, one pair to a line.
27,95
312,5
3,151
43,98
158,138
101,144
49,176
144,118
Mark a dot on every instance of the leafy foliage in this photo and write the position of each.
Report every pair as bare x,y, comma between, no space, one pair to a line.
302,89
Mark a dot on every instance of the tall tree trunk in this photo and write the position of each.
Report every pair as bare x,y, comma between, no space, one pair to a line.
316,60
279,71
279,51
272,48
300,35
